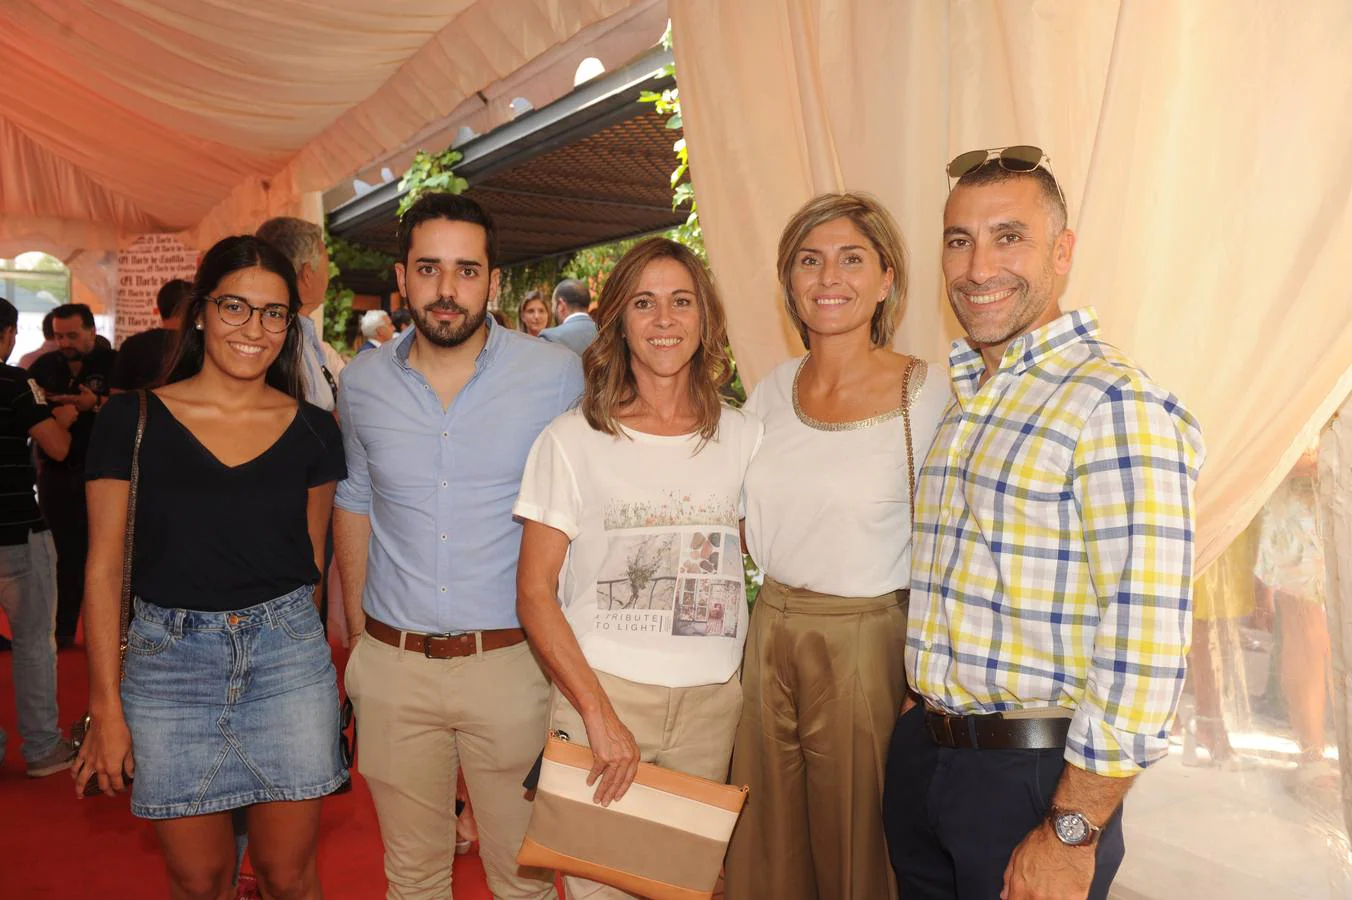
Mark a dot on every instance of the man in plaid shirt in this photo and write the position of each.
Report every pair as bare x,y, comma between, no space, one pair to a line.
1052,570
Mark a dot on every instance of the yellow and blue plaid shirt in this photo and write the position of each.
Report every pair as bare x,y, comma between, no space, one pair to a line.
1052,556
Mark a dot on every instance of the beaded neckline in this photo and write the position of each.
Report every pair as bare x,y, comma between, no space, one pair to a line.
917,382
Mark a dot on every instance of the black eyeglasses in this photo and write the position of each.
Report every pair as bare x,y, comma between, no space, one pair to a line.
236,311
1020,158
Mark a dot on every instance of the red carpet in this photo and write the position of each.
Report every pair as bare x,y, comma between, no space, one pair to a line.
59,848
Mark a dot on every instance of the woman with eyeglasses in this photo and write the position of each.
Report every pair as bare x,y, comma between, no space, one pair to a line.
229,698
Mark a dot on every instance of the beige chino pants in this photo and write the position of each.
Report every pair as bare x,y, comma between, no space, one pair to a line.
687,729
418,721
823,681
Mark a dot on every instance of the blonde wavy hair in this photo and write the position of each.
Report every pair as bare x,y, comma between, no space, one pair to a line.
610,384
876,224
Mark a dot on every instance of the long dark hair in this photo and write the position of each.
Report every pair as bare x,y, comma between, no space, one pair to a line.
229,255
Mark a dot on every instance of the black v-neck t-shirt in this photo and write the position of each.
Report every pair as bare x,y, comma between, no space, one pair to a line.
209,536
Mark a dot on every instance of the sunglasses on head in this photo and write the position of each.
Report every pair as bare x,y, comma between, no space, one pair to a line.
1020,158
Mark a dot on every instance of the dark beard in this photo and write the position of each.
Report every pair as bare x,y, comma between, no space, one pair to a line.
447,335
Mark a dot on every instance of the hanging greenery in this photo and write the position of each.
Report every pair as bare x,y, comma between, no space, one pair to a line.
668,103
346,258
430,172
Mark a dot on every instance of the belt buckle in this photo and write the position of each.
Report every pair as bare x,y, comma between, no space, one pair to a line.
429,638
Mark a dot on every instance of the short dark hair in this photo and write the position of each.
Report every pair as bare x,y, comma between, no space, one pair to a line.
401,318
70,310
47,332
574,294
991,172
173,294
452,207
9,315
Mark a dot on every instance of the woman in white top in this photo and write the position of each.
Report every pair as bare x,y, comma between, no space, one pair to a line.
828,519
631,509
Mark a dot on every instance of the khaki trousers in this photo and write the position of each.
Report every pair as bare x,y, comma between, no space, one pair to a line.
823,679
686,729
418,720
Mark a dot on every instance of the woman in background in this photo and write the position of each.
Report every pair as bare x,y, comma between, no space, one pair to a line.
534,314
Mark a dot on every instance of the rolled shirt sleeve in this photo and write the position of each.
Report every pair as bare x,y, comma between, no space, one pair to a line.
1134,470
354,491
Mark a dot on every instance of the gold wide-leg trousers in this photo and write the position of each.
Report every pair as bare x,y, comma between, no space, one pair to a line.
823,679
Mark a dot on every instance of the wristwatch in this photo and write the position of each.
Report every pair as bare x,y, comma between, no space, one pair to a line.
1072,828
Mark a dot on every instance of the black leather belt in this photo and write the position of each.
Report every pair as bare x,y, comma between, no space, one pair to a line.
995,732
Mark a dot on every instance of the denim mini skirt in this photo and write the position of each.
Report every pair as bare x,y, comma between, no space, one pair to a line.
227,709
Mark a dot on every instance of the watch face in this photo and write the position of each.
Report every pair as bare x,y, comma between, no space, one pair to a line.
1072,828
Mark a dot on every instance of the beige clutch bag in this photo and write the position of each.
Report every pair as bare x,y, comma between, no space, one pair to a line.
664,839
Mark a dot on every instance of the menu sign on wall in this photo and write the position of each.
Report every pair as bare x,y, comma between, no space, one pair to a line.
142,269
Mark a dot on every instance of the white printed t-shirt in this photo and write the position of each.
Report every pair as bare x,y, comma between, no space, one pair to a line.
653,583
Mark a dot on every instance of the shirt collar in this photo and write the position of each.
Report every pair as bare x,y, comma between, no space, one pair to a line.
966,364
571,316
492,347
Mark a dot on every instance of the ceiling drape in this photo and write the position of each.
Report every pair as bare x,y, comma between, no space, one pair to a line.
1204,149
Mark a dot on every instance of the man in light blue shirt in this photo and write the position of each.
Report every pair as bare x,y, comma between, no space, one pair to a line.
437,425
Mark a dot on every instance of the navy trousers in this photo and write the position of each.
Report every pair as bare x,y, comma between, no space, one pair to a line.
954,817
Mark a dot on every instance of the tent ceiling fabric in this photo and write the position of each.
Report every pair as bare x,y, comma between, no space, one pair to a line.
119,117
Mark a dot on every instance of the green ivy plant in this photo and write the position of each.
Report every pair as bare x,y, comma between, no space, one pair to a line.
344,258
430,172
668,103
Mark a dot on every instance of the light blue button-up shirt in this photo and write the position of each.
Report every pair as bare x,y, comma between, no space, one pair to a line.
439,484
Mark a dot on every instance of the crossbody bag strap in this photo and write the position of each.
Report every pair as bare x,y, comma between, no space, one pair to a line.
906,423
130,540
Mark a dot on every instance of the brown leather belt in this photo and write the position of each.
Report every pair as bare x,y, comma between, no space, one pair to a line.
995,732
444,646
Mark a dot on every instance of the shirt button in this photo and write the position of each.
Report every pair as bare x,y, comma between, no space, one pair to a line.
444,483
445,434
443,537
443,588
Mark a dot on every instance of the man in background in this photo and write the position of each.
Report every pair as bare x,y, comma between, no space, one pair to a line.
302,242
27,556
76,374
402,320
142,358
575,330
377,328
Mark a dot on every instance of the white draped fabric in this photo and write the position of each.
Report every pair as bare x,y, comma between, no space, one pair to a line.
1204,148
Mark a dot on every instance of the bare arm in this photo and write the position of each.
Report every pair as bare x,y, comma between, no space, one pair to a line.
351,544
318,509
1042,866
106,752
51,437
614,750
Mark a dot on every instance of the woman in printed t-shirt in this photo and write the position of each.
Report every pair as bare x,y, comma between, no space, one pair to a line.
230,700
631,523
